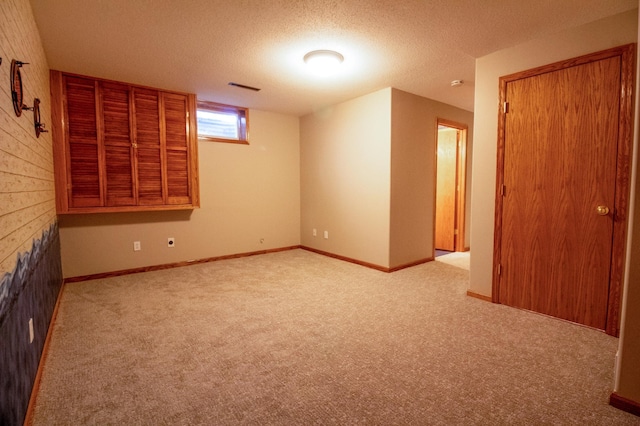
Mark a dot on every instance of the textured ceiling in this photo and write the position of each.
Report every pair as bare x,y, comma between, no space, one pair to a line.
200,46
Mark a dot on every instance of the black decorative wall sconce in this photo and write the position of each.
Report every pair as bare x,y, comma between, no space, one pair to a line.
39,126
17,96
16,86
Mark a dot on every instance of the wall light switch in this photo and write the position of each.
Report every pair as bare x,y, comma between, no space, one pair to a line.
315,232
326,235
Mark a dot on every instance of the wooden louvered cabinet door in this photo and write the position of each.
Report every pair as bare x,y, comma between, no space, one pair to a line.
83,150
120,147
148,146
176,107
120,188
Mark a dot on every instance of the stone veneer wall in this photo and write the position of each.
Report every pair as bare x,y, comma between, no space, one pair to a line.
30,291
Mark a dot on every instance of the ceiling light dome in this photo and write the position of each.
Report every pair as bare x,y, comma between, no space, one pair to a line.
323,61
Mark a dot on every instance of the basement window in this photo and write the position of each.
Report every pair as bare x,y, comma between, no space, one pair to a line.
222,123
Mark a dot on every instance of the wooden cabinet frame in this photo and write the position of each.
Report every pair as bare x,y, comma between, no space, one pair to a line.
169,150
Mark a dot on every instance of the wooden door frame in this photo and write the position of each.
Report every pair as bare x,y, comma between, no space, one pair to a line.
627,55
461,181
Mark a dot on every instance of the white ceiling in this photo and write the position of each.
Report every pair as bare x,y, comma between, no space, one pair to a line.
200,46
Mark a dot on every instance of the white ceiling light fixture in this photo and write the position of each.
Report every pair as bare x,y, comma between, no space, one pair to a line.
323,62
455,83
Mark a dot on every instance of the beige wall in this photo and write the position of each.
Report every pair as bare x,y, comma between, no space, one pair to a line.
345,178
248,193
27,206
613,31
413,149
367,176
628,373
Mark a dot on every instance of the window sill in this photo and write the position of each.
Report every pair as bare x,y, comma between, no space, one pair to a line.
212,139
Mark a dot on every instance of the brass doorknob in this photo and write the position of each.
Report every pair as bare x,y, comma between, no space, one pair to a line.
602,210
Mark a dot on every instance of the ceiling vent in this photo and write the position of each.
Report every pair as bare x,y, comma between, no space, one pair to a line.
242,86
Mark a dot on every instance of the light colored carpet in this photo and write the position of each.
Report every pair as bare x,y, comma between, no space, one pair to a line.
457,259
298,338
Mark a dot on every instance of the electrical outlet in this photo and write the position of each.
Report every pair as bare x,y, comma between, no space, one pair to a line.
315,232
326,235
136,246
31,334
171,242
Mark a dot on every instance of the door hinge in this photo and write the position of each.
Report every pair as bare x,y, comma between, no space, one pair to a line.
499,269
505,107
503,190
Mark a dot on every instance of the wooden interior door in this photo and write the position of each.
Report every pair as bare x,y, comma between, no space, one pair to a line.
557,181
446,168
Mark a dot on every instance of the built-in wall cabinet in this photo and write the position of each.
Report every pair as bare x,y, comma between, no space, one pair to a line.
122,147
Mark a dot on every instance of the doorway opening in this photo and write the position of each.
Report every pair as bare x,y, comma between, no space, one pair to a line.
451,172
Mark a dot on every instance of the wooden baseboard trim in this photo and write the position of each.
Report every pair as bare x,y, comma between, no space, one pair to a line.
235,256
409,265
479,296
624,404
366,264
347,259
173,265
28,420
